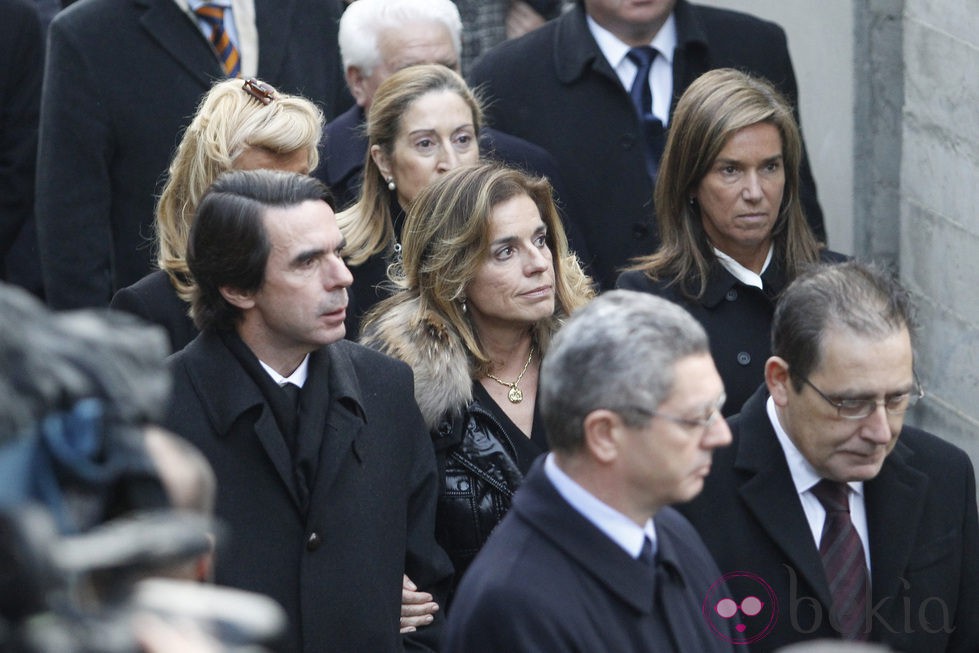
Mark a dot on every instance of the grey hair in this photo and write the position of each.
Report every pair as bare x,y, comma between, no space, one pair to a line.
364,20
619,351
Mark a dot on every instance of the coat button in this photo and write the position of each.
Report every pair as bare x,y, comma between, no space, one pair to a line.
639,231
731,295
744,357
313,542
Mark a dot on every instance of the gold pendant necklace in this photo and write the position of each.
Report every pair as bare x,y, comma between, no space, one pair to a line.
515,395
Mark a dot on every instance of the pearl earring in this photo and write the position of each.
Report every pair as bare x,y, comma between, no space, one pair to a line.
391,185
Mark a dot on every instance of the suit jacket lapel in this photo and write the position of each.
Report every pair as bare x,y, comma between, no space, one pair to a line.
344,417
771,496
226,391
175,32
895,501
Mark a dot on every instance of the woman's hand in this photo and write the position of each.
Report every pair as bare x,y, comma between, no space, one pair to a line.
417,608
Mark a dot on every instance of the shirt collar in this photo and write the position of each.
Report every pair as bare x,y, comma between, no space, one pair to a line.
615,50
740,272
297,378
619,528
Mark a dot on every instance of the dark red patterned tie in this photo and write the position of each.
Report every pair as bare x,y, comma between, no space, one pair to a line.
843,559
227,53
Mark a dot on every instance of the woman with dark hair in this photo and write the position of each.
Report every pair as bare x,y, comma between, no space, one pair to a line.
486,280
732,230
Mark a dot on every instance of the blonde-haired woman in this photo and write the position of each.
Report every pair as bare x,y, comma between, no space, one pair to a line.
239,125
486,280
423,122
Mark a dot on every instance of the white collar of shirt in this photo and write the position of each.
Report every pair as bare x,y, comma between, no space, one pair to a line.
241,28
804,476
297,378
740,272
660,73
619,528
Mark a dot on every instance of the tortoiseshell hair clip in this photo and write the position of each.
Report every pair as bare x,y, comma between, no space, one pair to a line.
259,90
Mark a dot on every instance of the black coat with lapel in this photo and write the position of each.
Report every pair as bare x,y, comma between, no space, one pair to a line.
336,567
123,78
554,87
549,580
922,522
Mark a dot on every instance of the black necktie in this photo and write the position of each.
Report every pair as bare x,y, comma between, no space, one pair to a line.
843,559
291,391
642,95
647,555
642,99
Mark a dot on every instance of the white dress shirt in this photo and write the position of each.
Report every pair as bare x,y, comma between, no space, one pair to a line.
740,272
297,378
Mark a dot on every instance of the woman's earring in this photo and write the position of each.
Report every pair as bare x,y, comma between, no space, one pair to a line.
464,306
391,185
692,200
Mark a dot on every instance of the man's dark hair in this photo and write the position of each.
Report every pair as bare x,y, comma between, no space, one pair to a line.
229,245
860,298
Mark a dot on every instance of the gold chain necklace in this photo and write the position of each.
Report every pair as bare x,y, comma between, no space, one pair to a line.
515,395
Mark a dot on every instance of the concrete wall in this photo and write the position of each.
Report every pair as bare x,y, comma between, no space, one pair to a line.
822,47
939,208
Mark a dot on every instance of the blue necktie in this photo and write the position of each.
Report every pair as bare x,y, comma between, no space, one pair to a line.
642,99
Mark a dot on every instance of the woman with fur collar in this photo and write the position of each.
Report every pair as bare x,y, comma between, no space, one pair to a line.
486,280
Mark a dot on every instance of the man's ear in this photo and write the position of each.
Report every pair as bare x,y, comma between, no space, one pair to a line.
777,378
357,83
602,430
238,298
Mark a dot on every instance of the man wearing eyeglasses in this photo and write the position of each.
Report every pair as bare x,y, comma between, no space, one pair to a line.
591,557
861,527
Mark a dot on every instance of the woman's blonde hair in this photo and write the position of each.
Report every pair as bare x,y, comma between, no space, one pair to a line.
446,239
229,121
368,224
711,110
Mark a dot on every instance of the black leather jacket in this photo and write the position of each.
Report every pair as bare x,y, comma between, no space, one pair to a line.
478,477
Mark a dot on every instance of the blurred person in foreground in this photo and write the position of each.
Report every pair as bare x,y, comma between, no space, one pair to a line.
239,125
591,557
486,281
732,230
326,478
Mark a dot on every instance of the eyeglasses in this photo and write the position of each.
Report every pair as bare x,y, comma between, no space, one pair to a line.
703,423
862,408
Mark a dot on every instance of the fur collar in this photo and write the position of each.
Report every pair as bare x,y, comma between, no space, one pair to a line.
433,351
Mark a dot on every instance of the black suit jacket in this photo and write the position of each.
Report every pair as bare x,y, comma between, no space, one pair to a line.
554,87
344,148
337,567
122,79
154,299
22,54
922,522
549,580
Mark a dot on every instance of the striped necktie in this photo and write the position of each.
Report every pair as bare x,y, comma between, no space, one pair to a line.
843,559
226,51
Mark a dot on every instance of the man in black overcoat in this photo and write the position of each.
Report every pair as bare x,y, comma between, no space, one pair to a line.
831,413
326,474
122,78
